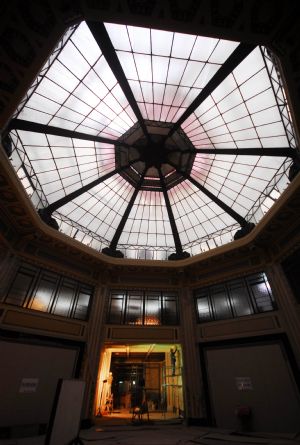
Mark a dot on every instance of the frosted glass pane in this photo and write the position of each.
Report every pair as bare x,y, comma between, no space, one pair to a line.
105,110
279,141
128,65
77,104
139,39
255,85
170,92
261,101
68,114
234,113
267,116
128,116
113,103
74,61
182,45
208,116
191,73
118,35
35,116
120,96
226,87
54,92
105,73
160,68
61,75
240,124
176,70
206,74
192,94
84,39
43,104
222,51
161,42
86,95
147,91
144,67
275,129
136,89
95,84
203,48
158,92
230,101
252,64
180,95
98,117
63,123
213,123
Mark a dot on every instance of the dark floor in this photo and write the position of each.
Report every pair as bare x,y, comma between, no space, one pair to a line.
120,430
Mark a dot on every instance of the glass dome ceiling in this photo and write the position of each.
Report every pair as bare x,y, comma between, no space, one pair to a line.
153,144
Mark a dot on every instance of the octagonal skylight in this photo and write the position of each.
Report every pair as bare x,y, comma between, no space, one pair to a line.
153,144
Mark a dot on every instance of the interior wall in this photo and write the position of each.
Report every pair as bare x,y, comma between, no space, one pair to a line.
28,378
257,376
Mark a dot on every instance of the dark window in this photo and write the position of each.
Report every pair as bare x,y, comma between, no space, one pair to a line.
220,302
261,292
152,309
235,298
21,286
45,291
203,308
142,308
82,304
134,309
116,307
291,268
240,299
65,298
170,309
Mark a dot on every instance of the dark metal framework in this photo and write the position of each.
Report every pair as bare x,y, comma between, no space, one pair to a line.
103,40
241,52
61,44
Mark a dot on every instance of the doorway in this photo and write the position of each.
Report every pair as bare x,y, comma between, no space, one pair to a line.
140,375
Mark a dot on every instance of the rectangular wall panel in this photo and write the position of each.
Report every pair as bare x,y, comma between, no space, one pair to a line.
257,376
28,378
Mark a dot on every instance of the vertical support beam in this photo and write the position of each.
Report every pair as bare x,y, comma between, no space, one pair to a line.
178,246
111,250
102,38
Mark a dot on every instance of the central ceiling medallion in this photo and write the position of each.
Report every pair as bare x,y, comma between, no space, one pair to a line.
172,156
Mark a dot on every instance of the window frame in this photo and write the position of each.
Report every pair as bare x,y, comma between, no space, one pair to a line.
255,308
162,316
37,275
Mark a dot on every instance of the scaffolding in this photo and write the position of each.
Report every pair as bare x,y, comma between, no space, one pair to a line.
171,393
